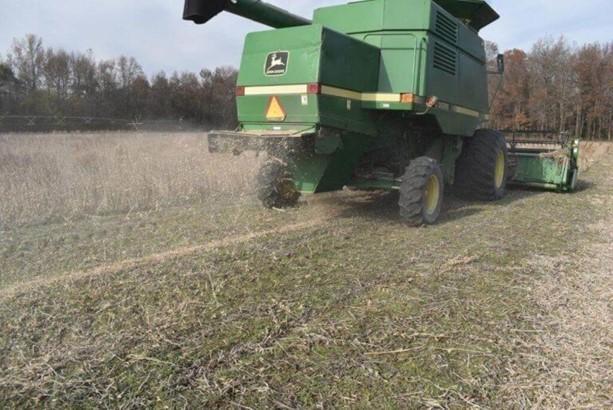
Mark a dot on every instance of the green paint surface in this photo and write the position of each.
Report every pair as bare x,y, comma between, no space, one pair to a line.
375,47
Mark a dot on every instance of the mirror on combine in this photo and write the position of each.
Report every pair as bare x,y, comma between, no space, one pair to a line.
500,63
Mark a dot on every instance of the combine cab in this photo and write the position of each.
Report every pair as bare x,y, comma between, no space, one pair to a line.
374,94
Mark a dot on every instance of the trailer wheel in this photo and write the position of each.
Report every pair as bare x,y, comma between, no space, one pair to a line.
275,185
482,170
421,192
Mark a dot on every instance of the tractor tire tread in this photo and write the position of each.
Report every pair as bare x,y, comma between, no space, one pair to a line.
475,168
412,188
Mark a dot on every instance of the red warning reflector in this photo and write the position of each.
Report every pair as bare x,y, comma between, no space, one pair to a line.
314,88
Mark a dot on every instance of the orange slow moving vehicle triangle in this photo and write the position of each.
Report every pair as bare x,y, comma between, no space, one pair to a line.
275,111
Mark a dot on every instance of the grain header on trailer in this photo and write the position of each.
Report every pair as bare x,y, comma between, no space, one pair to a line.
374,94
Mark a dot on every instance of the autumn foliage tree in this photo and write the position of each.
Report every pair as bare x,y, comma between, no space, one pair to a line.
556,87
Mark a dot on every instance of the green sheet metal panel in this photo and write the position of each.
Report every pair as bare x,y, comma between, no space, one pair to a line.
542,171
253,109
346,114
547,167
315,55
398,50
426,51
323,173
348,63
355,17
370,16
303,44
472,74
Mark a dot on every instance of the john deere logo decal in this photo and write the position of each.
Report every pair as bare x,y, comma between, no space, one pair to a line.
276,63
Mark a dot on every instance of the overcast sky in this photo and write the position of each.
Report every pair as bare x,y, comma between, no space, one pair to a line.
153,32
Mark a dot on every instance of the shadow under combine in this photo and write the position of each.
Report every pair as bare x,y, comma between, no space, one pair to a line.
383,205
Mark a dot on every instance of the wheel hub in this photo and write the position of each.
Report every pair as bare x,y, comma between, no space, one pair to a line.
500,168
431,194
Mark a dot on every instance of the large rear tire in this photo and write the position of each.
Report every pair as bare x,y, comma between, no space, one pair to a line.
482,170
421,192
275,185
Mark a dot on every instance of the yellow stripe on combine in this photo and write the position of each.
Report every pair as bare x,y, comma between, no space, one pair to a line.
358,96
381,97
276,90
340,92
466,111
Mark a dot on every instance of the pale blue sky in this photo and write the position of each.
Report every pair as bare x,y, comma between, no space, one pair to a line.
153,32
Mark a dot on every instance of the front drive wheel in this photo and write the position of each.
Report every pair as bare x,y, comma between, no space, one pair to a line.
275,185
421,192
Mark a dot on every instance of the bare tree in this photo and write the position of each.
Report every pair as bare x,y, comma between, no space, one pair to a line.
593,68
128,71
57,73
27,58
159,103
551,83
83,83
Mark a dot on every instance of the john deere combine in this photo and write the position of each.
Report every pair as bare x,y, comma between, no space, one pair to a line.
374,94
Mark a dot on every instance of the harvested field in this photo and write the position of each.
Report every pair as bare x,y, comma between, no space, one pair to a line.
210,301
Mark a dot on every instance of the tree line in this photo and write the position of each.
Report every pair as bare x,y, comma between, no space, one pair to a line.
40,81
554,86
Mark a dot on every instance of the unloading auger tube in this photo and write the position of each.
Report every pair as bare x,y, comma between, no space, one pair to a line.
201,11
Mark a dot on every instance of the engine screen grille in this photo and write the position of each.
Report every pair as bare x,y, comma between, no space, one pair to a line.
445,58
446,28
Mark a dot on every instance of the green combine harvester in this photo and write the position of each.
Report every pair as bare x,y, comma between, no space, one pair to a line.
375,94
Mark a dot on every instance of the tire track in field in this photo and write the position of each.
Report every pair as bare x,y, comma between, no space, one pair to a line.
111,268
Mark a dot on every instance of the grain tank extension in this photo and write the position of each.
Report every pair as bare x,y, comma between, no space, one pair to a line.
373,94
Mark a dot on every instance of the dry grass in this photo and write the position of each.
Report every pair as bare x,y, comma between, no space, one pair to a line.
567,363
50,176
62,176
592,152
333,304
